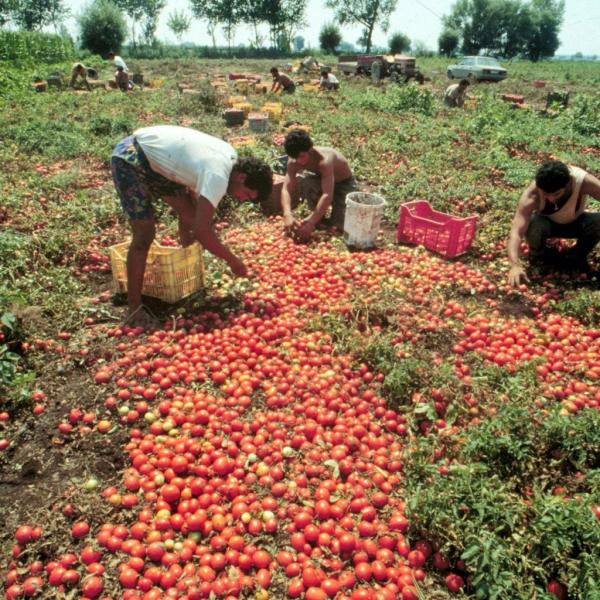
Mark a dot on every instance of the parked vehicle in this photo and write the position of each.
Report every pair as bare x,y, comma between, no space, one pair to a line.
378,66
477,68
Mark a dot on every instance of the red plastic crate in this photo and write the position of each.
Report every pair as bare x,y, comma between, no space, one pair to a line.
420,224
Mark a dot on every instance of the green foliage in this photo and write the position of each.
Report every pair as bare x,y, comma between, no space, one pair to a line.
21,46
448,42
585,115
480,511
179,22
366,13
399,98
102,27
582,304
399,43
507,28
330,37
35,14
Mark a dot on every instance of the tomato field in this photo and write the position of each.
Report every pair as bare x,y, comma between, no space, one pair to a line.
349,425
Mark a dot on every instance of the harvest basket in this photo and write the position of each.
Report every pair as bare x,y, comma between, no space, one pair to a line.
246,107
258,122
233,100
437,231
310,88
172,273
273,109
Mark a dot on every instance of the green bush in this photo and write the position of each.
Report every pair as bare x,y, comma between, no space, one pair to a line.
16,46
103,28
399,98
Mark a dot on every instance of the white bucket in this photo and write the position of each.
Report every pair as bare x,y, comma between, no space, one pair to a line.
363,219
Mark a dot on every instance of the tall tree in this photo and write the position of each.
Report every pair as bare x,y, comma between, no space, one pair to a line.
103,28
218,12
546,18
330,38
284,18
368,13
507,27
179,22
34,14
399,42
6,9
448,42
145,12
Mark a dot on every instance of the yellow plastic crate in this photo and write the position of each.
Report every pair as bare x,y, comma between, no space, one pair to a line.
245,106
172,273
241,85
233,100
241,141
155,83
273,109
309,87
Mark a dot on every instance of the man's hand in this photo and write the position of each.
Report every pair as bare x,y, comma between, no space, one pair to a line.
238,268
304,230
290,225
515,274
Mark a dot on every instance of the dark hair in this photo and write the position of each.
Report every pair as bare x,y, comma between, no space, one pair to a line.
297,141
274,70
259,176
111,54
464,82
324,73
552,176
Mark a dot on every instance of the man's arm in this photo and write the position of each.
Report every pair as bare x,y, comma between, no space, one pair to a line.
591,186
327,186
205,234
520,223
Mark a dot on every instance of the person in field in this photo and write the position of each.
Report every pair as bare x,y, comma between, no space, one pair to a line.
332,180
328,81
80,71
455,94
190,171
122,79
554,206
282,82
118,61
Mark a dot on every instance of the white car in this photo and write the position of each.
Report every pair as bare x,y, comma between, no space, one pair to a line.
477,68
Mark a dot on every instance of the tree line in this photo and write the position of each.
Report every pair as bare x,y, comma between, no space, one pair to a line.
504,28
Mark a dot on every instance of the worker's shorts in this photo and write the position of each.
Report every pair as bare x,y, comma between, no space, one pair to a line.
136,183
309,188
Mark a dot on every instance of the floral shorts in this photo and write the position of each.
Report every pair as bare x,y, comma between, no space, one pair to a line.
136,183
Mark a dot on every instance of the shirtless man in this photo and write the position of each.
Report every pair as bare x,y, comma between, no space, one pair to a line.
335,177
281,82
553,206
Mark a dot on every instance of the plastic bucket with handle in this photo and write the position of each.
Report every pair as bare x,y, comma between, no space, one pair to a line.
363,219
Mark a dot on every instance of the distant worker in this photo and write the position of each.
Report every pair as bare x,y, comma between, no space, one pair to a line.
282,82
328,81
80,71
308,64
553,206
122,79
118,61
456,93
120,64
332,175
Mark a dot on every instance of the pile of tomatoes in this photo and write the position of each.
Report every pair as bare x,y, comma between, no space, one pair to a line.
262,463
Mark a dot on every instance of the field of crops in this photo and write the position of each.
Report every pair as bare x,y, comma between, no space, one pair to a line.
350,425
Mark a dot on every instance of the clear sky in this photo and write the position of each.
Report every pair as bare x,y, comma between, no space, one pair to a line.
419,19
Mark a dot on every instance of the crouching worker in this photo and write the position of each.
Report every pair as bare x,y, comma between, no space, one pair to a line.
553,206
122,79
328,81
80,71
329,170
281,82
190,171
456,94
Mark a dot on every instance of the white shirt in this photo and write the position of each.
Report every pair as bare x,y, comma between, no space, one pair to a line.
331,78
119,62
186,156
